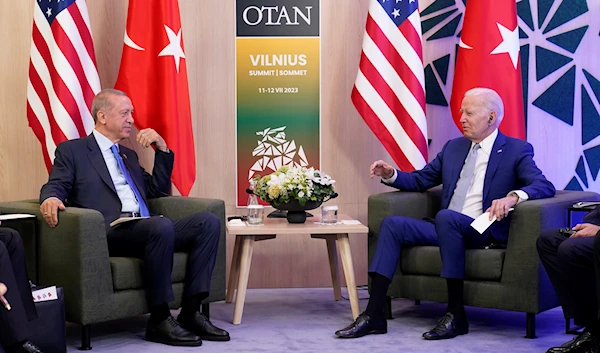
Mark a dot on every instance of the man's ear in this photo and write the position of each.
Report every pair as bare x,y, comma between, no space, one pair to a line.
101,117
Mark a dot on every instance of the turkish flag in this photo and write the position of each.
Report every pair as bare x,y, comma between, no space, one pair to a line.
488,56
153,73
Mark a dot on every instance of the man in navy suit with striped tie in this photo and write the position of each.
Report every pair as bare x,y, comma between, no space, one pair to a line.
96,172
484,171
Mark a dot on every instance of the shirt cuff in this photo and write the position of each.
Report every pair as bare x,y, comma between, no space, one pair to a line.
522,195
391,179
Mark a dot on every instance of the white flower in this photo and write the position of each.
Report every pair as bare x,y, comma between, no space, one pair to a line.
295,182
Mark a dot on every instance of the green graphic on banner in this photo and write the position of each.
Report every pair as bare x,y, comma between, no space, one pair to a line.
278,64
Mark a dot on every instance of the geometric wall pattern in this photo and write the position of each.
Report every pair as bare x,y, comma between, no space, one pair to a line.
560,61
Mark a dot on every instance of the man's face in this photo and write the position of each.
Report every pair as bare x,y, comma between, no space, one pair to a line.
117,121
475,118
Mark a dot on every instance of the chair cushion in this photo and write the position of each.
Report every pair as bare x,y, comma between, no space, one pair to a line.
480,264
127,271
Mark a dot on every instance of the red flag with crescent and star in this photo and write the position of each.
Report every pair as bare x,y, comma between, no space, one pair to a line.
153,73
488,56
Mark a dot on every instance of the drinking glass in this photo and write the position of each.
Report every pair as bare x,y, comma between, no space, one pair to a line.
256,214
329,214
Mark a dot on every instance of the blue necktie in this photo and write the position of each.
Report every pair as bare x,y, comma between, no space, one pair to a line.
143,208
464,182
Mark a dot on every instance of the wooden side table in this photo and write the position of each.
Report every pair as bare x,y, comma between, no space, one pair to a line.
334,235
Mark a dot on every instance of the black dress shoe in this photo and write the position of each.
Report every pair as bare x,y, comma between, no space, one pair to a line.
200,325
594,348
448,327
579,344
170,332
363,325
26,347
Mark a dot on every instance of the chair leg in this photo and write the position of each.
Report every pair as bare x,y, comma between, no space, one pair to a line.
530,326
85,338
388,308
575,330
206,310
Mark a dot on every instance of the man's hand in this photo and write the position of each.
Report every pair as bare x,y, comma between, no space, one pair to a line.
146,137
382,169
585,230
501,206
49,209
3,288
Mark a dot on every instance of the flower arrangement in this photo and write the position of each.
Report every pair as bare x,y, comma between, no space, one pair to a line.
295,183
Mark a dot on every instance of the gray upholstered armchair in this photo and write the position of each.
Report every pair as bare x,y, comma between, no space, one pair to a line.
508,279
99,288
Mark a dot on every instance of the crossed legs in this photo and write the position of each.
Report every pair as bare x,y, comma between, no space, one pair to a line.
450,230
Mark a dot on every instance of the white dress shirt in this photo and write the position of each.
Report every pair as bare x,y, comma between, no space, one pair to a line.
474,199
128,201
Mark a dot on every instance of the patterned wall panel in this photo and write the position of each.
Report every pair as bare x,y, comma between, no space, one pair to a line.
560,59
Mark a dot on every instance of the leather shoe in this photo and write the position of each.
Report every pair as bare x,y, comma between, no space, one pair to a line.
200,325
448,327
579,344
170,332
27,347
363,325
595,347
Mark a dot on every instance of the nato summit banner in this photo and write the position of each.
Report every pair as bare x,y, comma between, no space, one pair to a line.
278,78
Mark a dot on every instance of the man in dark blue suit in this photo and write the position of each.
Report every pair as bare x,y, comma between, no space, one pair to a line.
95,172
572,262
484,171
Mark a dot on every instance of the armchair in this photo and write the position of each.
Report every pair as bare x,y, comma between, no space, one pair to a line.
99,288
508,279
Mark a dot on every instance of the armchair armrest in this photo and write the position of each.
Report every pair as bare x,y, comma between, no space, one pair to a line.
417,205
176,207
73,255
529,219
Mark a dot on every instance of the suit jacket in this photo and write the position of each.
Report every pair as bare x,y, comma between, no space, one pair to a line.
593,216
80,177
510,167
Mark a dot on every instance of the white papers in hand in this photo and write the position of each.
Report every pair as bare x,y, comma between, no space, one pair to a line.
125,219
483,222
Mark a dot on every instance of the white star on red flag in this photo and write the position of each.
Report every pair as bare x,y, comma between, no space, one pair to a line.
174,47
509,44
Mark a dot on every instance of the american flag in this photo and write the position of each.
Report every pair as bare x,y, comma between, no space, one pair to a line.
63,78
389,91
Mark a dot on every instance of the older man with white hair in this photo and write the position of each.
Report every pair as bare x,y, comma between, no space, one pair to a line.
484,171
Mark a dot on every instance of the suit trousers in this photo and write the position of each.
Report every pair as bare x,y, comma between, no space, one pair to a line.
13,273
156,239
569,263
451,231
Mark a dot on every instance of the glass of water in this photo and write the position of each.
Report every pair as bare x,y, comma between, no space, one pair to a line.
256,214
329,214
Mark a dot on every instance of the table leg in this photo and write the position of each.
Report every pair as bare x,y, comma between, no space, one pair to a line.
245,261
234,271
333,266
347,264
333,262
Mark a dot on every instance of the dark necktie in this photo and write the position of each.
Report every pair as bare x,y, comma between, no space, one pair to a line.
464,182
143,208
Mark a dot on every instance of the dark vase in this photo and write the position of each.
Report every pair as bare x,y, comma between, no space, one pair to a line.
296,213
